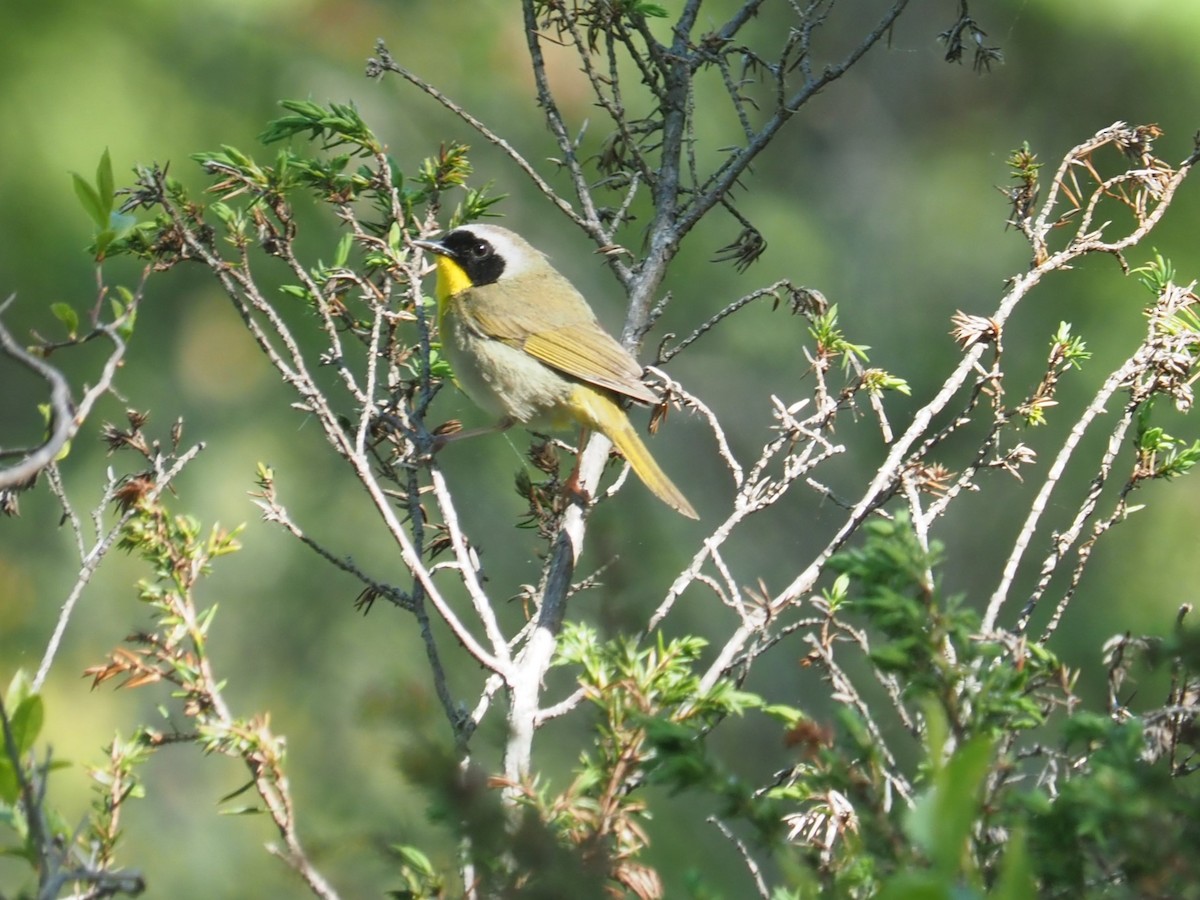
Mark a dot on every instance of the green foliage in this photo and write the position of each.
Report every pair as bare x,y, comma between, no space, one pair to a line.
654,716
1067,351
977,825
336,126
931,643
1024,164
256,208
1070,348
66,314
63,860
99,202
1156,274
942,823
831,341
1121,814
654,712
24,713
332,180
173,651
877,380
1161,455
941,820
1115,797
524,855
421,878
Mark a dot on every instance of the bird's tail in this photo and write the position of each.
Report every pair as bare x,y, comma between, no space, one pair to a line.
604,415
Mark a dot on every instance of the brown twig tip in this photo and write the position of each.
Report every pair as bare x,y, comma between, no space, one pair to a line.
970,330
745,249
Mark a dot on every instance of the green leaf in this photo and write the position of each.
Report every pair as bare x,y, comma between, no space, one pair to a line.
21,686
104,180
788,715
940,822
237,792
103,241
67,315
342,255
26,722
937,732
295,290
1016,880
414,859
124,307
96,209
891,657
10,788
649,10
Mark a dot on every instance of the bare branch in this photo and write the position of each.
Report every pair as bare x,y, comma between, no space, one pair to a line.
65,420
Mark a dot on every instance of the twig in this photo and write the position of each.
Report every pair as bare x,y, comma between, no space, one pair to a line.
100,549
65,420
275,513
760,885
293,367
385,63
1094,409
727,174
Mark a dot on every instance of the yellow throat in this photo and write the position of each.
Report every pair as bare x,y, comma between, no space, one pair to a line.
451,280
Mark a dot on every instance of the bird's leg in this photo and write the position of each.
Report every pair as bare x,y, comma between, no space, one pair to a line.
571,487
441,440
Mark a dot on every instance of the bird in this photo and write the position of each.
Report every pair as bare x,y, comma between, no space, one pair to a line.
526,347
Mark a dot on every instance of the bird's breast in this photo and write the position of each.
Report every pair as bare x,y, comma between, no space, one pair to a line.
505,380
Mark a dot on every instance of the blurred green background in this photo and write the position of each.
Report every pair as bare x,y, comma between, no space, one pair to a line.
881,194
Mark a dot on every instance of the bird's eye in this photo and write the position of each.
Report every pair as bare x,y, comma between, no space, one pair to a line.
481,250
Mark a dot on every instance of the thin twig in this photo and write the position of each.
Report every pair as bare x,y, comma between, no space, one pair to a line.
97,554
65,419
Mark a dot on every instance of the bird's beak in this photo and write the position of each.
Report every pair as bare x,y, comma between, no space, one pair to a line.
432,246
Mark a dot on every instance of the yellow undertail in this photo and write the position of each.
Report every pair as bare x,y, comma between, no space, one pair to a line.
598,411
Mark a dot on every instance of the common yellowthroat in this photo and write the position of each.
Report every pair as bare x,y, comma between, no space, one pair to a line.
526,346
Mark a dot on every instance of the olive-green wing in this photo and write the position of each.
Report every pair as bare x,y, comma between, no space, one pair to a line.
590,354
563,334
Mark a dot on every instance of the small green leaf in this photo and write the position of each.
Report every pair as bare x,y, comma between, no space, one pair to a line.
236,792
650,10
295,290
124,307
1156,274
788,715
10,788
26,722
104,180
67,315
414,859
21,685
103,241
92,204
342,255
